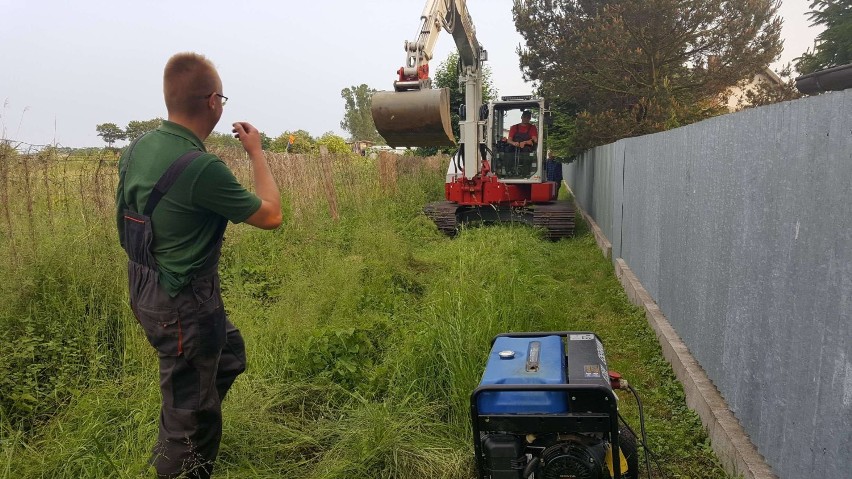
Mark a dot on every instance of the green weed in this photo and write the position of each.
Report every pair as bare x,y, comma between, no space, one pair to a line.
366,332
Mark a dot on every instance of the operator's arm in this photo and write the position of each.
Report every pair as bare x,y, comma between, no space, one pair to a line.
533,137
512,131
268,216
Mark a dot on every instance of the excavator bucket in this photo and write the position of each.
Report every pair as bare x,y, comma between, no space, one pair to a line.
413,118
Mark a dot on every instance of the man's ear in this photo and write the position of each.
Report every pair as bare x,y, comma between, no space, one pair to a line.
211,101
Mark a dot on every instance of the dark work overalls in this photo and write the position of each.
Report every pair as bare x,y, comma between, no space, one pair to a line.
200,352
523,136
522,159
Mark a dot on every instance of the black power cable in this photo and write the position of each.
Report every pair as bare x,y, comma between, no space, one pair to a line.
642,428
643,439
644,446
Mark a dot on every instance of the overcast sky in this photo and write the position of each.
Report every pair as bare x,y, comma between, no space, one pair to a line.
66,66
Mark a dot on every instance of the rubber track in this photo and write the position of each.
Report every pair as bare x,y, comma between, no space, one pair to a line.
556,218
443,214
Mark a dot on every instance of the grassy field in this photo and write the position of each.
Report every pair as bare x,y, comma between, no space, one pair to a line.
366,329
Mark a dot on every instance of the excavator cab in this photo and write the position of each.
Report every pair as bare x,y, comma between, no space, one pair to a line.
510,162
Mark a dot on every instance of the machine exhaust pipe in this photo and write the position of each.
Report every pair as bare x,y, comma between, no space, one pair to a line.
413,118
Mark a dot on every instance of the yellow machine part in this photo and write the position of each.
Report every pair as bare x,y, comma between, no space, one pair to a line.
622,460
413,118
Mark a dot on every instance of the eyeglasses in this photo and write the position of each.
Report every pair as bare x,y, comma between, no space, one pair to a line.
223,97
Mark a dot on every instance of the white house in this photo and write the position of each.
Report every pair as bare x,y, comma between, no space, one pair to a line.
737,95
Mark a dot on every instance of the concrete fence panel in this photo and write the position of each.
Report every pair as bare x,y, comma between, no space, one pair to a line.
740,228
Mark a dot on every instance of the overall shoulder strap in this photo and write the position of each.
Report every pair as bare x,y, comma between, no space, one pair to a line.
168,179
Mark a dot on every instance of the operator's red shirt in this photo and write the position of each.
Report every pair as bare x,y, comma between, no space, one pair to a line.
523,128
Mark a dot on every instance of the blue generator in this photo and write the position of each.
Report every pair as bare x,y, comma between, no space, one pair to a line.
545,409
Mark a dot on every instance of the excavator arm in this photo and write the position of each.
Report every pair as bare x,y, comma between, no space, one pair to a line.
414,75
438,15
414,114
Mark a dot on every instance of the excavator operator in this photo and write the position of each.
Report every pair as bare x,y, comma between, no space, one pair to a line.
524,135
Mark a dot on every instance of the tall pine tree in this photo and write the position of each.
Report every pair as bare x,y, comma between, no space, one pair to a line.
834,44
632,67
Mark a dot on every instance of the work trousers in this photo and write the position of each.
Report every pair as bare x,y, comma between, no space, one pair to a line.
201,354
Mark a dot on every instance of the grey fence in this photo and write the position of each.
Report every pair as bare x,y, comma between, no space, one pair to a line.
740,227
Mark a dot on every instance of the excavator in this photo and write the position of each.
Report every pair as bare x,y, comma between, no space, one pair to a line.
492,178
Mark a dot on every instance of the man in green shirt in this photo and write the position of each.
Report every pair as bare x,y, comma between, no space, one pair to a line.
174,201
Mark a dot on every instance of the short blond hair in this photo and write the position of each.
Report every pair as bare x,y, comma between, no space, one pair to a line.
187,79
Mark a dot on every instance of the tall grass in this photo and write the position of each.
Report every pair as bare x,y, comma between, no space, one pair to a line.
366,329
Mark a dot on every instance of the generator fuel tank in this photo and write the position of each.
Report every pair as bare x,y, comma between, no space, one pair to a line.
522,360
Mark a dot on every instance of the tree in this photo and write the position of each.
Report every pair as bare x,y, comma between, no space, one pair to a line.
766,93
225,140
136,128
632,67
302,142
561,133
357,118
110,132
335,144
221,140
447,76
834,44
265,141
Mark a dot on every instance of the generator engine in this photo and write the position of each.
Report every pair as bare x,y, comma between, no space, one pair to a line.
545,409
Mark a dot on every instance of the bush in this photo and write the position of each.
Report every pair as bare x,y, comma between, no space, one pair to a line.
62,324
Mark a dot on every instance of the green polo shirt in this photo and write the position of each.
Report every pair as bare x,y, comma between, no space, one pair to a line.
185,223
